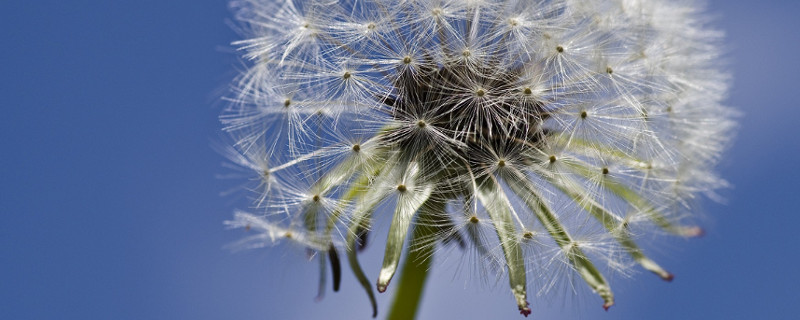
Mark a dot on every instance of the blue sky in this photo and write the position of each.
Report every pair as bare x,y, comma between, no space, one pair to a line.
110,208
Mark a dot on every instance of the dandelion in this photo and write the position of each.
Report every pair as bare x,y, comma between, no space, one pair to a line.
545,138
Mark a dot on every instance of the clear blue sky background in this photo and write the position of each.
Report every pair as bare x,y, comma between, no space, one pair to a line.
110,209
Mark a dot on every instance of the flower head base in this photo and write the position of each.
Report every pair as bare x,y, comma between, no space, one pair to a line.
543,116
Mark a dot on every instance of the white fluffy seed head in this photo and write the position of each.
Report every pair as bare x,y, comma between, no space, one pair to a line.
548,114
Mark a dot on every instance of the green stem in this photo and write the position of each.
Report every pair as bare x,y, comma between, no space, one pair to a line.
415,271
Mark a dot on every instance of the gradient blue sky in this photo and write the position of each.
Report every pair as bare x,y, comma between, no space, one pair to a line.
110,208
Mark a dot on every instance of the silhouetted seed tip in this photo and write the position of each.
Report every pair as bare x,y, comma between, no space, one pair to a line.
605,170
336,267
356,147
371,26
584,114
525,311
474,219
501,163
552,159
421,124
315,198
527,91
560,49
480,93
288,235
466,53
669,277
287,102
609,70
361,241
401,188
407,60
346,75
607,305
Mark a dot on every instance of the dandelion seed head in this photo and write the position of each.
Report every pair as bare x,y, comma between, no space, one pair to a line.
566,130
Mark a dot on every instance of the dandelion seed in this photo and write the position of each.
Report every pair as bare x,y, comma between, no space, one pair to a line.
566,131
